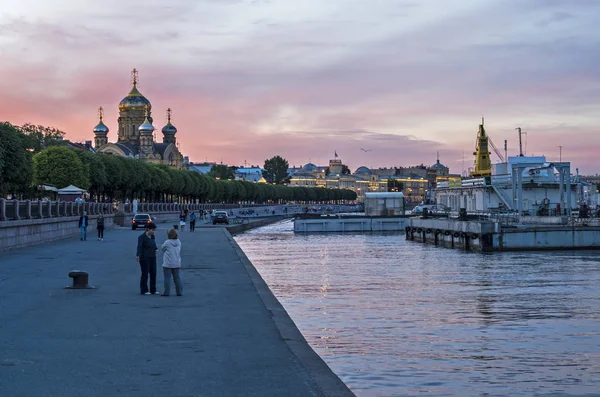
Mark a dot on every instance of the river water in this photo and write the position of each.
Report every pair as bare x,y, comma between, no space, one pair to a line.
398,318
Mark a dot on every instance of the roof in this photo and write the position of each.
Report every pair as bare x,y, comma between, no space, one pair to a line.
71,190
160,148
127,148
248,170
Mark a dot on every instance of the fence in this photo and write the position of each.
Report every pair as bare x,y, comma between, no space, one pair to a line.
14,210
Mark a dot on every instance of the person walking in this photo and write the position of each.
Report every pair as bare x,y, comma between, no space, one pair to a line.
182,217
100,227
146,256
171,249
192,221
83,224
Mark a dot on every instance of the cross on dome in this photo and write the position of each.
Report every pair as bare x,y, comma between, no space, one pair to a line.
134,76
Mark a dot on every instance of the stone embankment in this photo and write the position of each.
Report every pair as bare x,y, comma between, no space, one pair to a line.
226,336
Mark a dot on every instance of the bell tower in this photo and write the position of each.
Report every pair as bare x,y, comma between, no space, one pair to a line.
100,131
132,113
146,138
169,130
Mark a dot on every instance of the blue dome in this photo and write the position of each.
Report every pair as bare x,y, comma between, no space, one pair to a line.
363,170
101,128
146,127
438,166
169,129
309,167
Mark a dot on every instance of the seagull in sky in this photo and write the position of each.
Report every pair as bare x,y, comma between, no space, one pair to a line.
365,150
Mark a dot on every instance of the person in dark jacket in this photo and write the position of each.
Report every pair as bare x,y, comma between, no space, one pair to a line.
100,227
83,224
146,256
192,221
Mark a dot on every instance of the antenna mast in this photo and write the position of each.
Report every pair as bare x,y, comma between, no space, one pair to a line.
520,141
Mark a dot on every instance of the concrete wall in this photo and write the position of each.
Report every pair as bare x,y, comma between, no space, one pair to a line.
548,238
350,224
14,234
254,223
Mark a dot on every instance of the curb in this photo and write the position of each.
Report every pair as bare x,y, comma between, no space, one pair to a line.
324,378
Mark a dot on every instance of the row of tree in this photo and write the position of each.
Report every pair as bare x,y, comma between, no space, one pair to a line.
28,160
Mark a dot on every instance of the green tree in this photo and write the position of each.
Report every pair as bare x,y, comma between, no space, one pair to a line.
61,167
15,161
114,173
276,170
223,172
42,137
94,167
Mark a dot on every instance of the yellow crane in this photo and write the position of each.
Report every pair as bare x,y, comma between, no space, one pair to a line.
483,163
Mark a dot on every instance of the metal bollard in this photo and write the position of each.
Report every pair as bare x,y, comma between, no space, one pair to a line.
80,280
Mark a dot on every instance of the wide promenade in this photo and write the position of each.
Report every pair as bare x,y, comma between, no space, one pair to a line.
227,336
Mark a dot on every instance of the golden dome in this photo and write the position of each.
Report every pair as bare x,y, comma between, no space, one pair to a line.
134,100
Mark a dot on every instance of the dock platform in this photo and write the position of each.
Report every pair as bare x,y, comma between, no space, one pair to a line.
488,236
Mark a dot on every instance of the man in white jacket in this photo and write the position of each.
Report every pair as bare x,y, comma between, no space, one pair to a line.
171,249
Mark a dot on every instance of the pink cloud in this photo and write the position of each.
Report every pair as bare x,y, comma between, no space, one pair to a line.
404,95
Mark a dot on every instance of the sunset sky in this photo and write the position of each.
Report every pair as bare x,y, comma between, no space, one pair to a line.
251,79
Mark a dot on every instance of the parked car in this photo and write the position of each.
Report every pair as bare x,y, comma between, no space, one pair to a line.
220,217
140,220
431,208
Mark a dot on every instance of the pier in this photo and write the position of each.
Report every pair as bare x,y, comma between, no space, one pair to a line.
227,336
335,223
490,235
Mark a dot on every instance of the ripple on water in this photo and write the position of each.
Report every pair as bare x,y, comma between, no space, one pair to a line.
392,317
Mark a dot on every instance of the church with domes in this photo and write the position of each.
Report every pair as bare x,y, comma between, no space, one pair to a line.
135,136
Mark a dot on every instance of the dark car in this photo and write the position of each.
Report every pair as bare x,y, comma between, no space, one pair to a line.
220,217
140,220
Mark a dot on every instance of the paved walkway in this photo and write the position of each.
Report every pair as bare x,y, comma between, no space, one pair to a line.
227,336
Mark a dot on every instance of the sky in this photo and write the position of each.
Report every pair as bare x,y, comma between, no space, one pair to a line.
382,83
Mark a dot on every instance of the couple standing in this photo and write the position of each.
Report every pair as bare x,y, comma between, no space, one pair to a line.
146,256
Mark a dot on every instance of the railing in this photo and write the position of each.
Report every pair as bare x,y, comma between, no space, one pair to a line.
14,210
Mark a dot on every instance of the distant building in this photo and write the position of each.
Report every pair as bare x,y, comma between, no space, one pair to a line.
201,168
384,203
86,146
311,175
250,174
526,184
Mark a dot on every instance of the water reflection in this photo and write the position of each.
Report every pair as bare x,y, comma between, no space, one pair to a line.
392,317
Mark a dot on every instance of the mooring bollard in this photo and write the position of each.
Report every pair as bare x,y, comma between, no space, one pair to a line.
80,280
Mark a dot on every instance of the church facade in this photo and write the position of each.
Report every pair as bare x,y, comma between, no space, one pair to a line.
135,136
